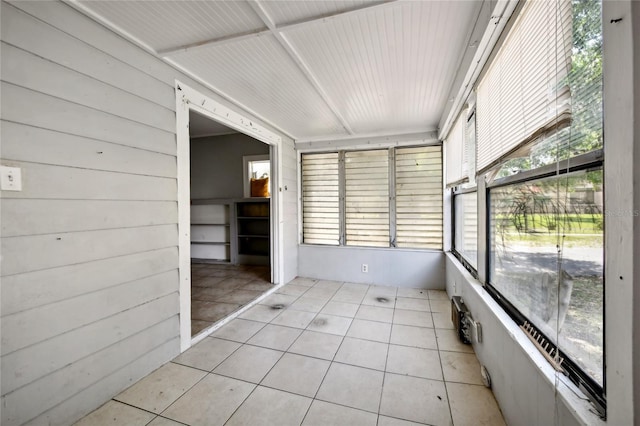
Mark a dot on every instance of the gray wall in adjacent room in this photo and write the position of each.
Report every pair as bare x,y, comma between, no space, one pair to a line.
216,164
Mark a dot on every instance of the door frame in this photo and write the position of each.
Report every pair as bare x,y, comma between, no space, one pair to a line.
188,99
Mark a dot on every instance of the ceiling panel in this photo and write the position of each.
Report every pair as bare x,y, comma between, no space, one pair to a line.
201,126
170,24
286,12
259,74
388,69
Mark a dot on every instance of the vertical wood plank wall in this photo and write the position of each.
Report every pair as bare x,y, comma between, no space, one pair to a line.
89,274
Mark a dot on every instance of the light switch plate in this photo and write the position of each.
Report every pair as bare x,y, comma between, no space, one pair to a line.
10,178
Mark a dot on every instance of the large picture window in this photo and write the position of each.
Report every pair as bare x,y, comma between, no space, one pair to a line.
547,260
373,198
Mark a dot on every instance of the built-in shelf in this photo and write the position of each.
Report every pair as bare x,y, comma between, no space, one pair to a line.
253,232
211,231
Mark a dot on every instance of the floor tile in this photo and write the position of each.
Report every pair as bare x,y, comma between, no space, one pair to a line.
416,293
262,313
234,282
354,387
291,318
275,337
208,293
381,300
271,407
416,362
211,311
306,282
438,295
116,413
331,324
197,326
293,290
249,363
161,388
340,308
327,284
416,318
390,421
473,405
440,306
448,340
240,296
383,290
354,292
415,399
363,353
408,335
278,299
319,345
348,296
260,286
326,414
161,421
441,320
298,374
461,367
207,354
320,293
210,402
409,303
238,330
308,304
370,330
375,313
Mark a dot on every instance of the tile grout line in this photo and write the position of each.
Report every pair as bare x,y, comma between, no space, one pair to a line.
444,380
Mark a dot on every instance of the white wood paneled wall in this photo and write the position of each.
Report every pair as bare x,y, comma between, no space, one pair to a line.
90,298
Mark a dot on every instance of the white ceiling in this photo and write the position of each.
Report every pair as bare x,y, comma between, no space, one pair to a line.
316,70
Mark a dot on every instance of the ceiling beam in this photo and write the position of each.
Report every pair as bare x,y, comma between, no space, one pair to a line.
277,28
297,59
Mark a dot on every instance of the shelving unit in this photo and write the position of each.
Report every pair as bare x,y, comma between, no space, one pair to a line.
253,231
211,235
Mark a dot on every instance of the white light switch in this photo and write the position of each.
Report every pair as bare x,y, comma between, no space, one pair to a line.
10,178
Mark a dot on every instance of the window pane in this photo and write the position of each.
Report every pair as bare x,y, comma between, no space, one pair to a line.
320,199
466,227
547,260
419,197
367,198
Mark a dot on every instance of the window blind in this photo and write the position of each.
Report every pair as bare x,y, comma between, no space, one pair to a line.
524,93
367,198
419,197
320,199
455,150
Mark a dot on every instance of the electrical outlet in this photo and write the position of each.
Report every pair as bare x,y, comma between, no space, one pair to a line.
365,268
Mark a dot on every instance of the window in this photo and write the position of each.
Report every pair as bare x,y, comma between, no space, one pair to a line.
367,198
256,167
374,198
547,260
465,231
540,152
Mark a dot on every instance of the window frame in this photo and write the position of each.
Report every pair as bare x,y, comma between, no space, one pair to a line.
467,265
391,150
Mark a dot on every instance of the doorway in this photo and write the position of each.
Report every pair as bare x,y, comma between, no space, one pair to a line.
226,174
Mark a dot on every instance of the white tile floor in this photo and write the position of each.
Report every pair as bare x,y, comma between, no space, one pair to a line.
319,353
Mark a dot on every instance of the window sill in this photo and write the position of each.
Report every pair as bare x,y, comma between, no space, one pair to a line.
575,401
394,249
